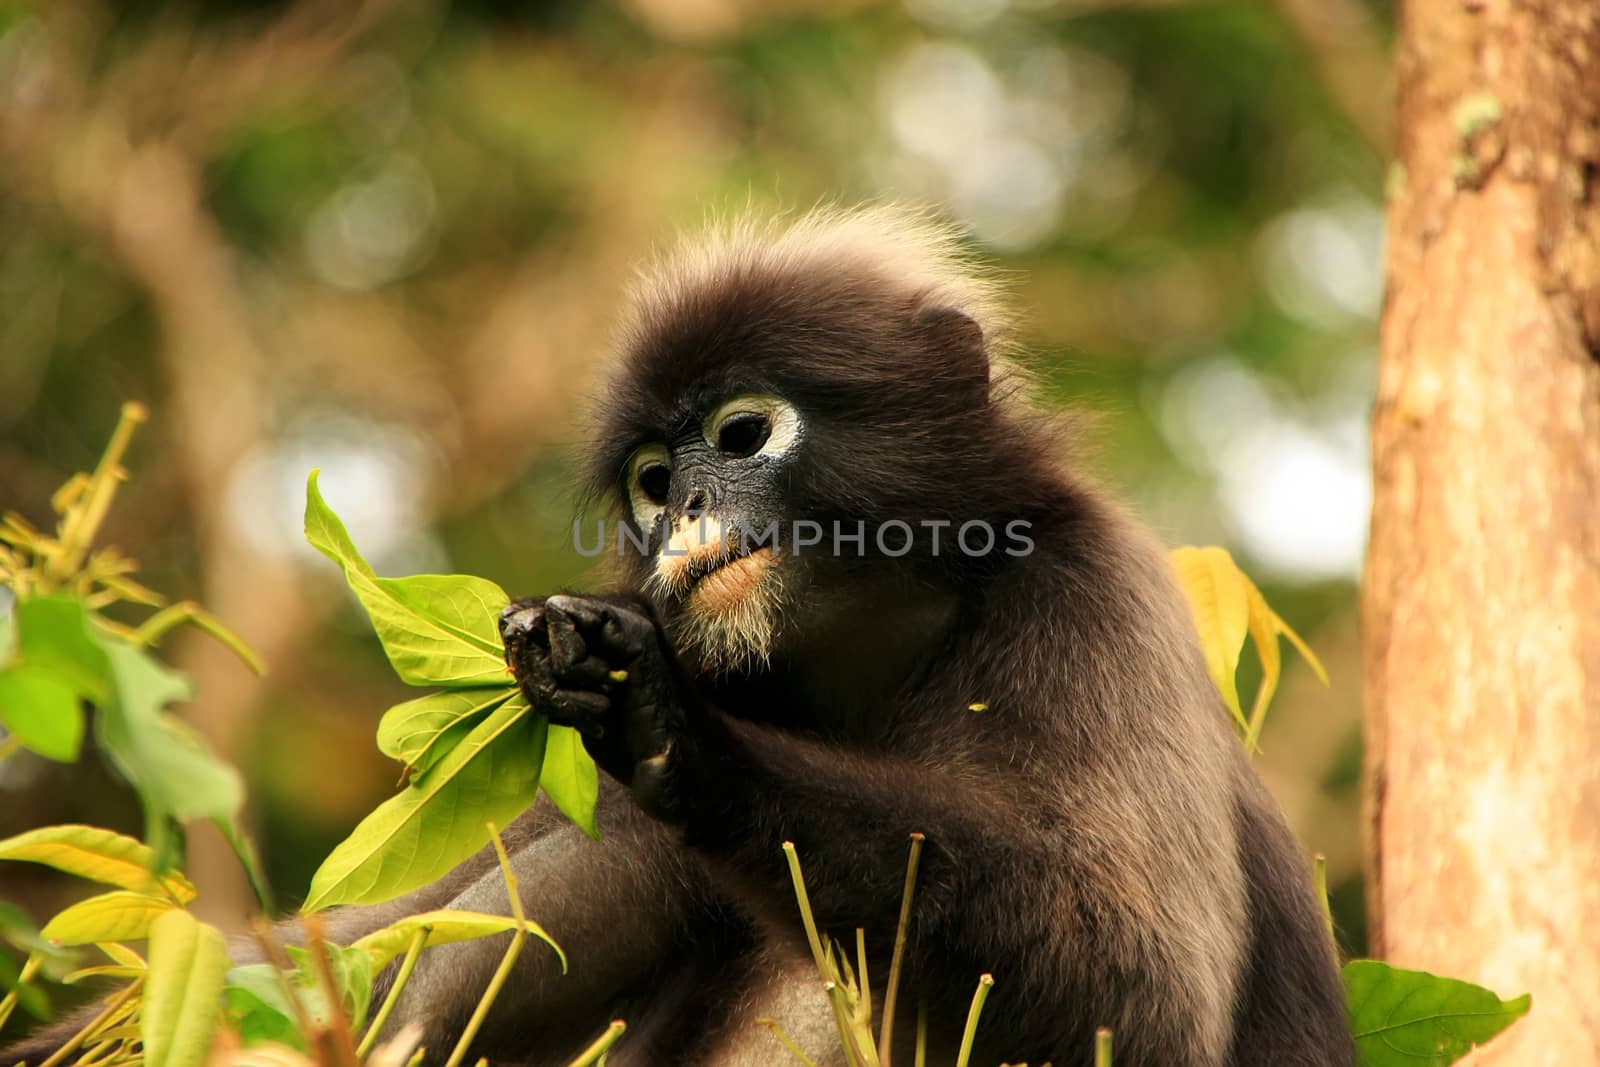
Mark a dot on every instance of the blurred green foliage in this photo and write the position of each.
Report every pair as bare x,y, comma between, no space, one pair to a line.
390,243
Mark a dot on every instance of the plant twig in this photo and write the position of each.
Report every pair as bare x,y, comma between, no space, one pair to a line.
272,952
60,1055
82,521
920,1059
891,994
1102,1047
344,1042
788,1042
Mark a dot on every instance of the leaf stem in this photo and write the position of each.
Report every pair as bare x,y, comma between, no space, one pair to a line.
804,901
407,965
1102,1047
863,1012
981,994
8,1003
507,962
1319,873
841,1020
601,1045
157,626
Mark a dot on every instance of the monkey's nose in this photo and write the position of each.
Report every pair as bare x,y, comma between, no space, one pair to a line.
696,501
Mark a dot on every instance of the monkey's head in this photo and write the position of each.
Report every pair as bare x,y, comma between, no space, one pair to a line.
808,385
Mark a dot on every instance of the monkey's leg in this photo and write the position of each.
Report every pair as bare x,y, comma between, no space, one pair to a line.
619,907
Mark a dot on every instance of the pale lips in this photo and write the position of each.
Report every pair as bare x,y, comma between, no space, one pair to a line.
731,584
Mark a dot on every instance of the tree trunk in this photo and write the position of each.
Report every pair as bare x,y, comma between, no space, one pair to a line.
1481,606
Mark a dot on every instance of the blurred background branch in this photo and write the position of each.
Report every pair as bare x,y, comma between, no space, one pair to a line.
388,239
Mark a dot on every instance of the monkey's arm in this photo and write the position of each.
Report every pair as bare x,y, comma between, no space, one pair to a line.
739,789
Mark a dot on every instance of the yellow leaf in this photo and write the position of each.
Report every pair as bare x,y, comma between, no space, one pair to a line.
183,993
122,954
1264,632
1301,647
1226,605
119,916
102,972
98,855
444,927
1219,604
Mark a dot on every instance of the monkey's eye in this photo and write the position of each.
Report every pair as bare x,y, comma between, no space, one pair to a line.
655,480
751,425
649,479
743,433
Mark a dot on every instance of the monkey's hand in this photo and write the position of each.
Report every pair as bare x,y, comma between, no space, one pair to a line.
600,665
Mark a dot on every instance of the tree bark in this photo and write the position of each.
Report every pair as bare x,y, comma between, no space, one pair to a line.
1481,606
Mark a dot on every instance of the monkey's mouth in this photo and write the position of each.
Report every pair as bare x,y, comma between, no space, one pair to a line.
722,582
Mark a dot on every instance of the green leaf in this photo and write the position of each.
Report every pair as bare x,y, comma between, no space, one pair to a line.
443,927
259,1008
98,855
569,778
42,710
183,991
53,637
440,819
1415,1019
437,629
8,625
174,774
118,916
352,972
420,731
30,997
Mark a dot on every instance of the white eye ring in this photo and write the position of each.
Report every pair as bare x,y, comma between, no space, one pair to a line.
783,422
645,510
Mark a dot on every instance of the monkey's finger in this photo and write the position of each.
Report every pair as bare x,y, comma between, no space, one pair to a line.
624,637
588,673
652,786
617,632
587,614
580,708
523,620
567,647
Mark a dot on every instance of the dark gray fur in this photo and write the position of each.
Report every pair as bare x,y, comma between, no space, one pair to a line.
1096,839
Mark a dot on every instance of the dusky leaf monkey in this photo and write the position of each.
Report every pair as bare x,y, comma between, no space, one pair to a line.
1095,837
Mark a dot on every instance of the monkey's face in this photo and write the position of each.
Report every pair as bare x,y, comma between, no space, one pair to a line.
714,499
